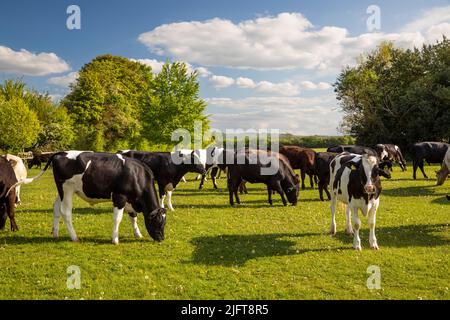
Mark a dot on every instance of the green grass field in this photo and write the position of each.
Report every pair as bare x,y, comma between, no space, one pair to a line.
214,251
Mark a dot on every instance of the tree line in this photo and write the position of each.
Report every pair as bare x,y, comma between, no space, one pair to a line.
114,104
397,96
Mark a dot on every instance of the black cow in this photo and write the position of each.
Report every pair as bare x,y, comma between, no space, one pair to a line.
431,152
322,171
7,200
100,177
168,173
270,168
353,149
392,153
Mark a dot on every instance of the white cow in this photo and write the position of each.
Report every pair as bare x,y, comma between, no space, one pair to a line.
445,169
20,170
355,181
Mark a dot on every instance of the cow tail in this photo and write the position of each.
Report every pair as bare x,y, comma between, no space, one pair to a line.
30,180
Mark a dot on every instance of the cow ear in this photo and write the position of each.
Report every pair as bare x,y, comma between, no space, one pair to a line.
384,173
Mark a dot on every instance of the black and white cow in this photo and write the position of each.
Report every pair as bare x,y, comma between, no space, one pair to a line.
353,149
431,152
7,199
167,172
355,181
392,153
101,177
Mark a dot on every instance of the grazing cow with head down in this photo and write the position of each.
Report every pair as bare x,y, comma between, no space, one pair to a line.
303,159
168,172
355,181
392,153
431,152
19,170
7,199
251,165
443,173
102,177
322,170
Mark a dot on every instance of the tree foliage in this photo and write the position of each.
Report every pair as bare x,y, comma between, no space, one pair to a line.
117,103
173,103
106,101
397,96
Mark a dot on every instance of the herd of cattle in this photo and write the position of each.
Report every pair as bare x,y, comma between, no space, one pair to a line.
128,178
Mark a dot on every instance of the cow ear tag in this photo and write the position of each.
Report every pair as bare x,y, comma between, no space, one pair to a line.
353,166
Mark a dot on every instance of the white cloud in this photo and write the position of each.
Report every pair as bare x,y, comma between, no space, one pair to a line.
285,41
428,19
152,63
292,114
32,64
284,88
242,82
221,81
64,81
203,72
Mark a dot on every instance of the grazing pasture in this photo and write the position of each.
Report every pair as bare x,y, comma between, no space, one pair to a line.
251,251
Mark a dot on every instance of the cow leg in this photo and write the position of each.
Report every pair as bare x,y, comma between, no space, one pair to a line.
236,194
303,176
117,218
134,225
213,177
321,188
200,187
168,191
333,216
325,187
56,215
277,187
421,169
269,193
356,226
348,221
10,205
311,181
169,200
66,212
414,169
372,221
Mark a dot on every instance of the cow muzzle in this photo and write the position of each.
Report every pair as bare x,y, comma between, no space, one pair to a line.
369,189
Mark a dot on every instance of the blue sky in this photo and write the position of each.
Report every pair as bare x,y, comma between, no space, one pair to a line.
263,64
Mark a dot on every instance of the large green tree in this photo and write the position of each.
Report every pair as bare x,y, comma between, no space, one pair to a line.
173,103
398,96
106,103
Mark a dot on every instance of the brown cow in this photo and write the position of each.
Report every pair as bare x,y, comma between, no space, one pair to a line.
303,159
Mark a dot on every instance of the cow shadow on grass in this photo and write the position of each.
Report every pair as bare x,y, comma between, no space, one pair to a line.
236,250
76,211
415,191
403,236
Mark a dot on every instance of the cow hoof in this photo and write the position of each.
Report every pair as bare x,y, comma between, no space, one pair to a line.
357,248
375,247
138,235
115,241
76,240
333,231
349,232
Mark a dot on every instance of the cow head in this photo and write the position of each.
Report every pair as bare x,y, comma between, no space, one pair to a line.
442,175
193,161
155,222
293,191
369,173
